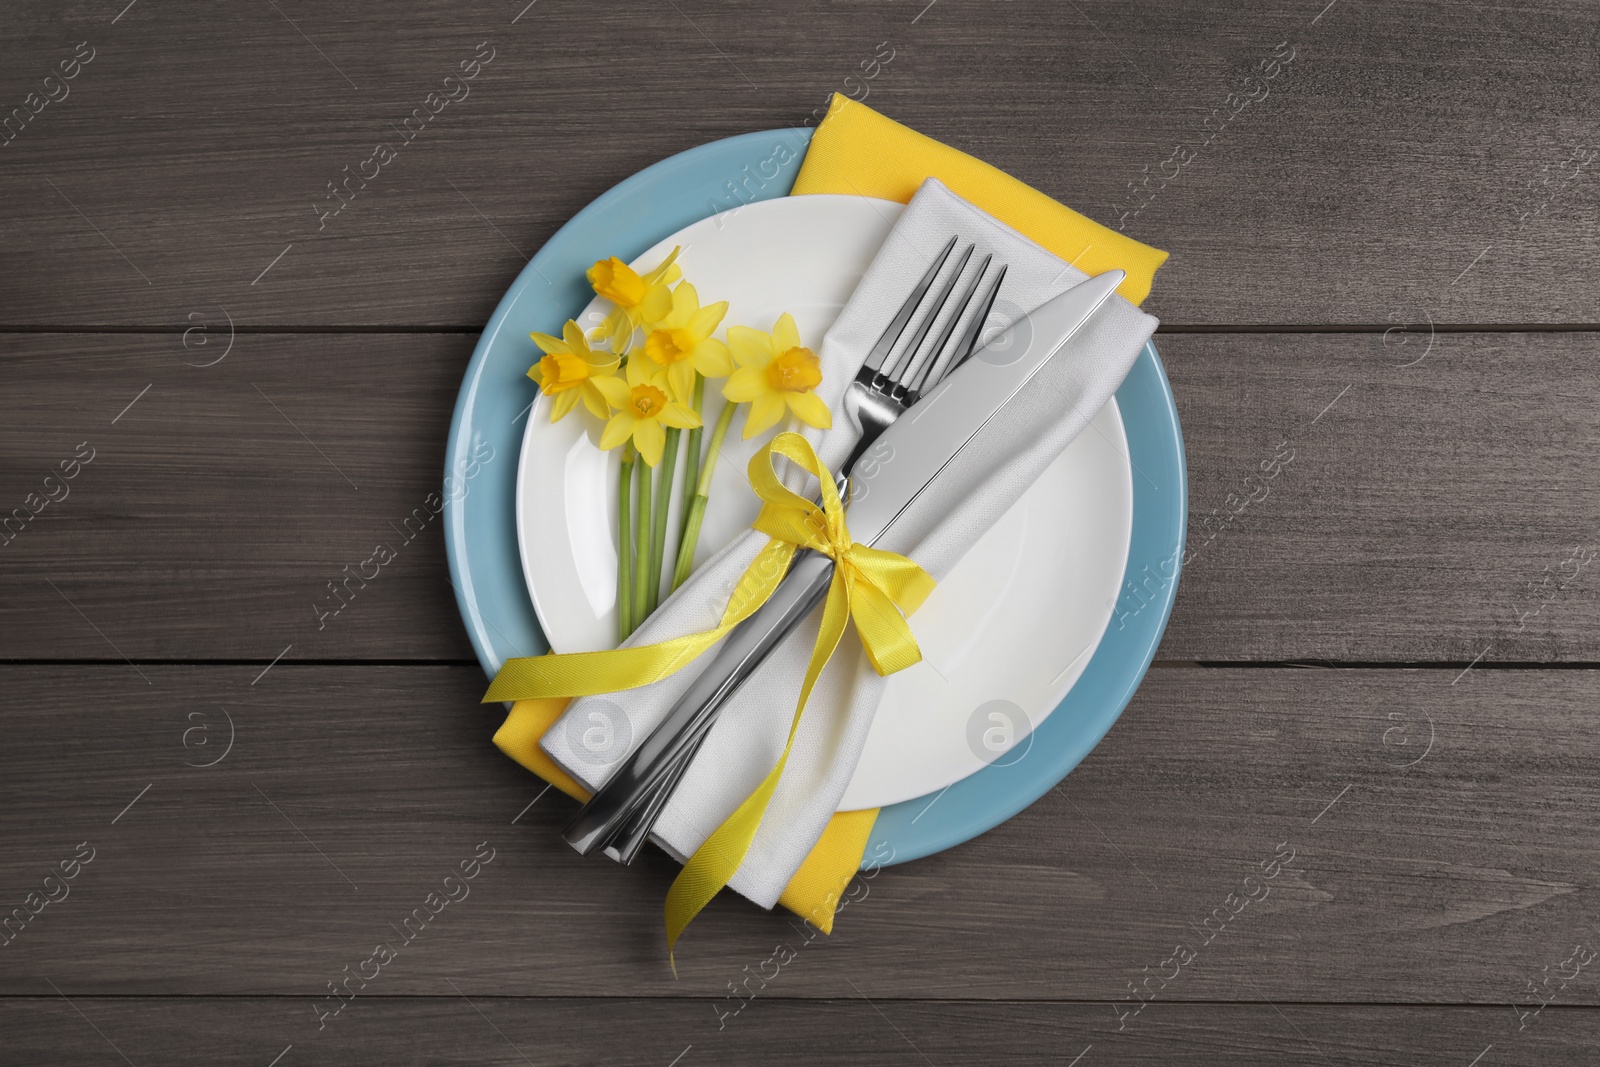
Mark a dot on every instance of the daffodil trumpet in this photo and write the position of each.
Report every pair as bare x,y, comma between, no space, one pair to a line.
639,300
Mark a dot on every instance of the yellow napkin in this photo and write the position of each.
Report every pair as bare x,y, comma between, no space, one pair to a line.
858,151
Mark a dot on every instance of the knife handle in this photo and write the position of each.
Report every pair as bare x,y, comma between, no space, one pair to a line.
626,805
626,842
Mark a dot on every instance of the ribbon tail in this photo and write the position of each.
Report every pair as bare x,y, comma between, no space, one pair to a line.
899,578
884,634
884,588
718,858
575,674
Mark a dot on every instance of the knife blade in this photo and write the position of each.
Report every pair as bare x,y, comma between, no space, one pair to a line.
902,464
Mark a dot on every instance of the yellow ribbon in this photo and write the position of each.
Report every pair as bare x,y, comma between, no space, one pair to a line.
876,588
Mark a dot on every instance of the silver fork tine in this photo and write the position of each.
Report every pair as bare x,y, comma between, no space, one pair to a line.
900,374
970,337
896,327
877,396
933,368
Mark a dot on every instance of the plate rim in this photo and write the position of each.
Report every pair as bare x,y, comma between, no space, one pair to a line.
989,796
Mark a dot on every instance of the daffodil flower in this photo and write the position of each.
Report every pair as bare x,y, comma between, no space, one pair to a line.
571,371
681,341
640,299
644,405
776,375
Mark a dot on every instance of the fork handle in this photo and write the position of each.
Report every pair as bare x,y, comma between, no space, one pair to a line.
621,812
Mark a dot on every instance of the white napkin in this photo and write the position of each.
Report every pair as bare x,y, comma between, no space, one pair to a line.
968,498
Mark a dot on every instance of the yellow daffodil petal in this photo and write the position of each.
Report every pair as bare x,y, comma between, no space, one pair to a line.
680,379
765,411
657,306
595,400
602,364
745,384
563,402
650,439
681,416
640,369
685,302
810,409
547,344
665,268
711,359
613,389
703,322
572,334
618,430
750,348
785,334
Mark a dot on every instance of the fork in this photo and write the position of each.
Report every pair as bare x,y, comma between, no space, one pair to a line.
619,816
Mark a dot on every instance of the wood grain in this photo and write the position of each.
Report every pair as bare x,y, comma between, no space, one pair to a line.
1441,841
856,1027
1383,471
1384,512
1361,183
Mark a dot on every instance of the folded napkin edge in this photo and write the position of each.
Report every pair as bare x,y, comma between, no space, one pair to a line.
912,156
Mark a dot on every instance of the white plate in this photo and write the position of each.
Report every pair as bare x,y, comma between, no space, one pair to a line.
1006,633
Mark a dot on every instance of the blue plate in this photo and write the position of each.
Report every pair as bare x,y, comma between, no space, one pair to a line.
480,520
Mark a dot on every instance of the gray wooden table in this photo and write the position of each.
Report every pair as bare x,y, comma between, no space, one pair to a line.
1384,266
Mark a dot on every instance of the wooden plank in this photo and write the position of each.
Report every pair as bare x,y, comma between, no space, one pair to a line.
1354,865
219,506
476,1029
1356,497
1434,843
1401,513
1356,182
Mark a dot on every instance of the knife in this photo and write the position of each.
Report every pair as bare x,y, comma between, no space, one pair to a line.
889,478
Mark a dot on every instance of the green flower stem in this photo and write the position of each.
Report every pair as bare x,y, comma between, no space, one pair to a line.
691,534
641,545
625,545
691,460
658,523
697,507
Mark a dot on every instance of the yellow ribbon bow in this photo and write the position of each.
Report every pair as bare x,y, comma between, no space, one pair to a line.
876,588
